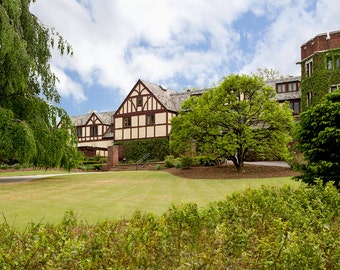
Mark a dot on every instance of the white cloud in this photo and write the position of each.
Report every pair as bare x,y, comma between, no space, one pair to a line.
67,87
116,42
280,46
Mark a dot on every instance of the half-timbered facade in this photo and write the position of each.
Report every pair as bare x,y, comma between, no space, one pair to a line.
145,113
95,132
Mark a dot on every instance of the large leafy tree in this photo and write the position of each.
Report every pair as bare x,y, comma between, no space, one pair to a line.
318,136
238,117
29,98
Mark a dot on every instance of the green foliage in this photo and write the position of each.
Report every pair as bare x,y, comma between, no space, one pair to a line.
169,161
28,114
16,166
204,161
158,167
239,116
318,134
136,149
265,228
186,162
92,163
4,166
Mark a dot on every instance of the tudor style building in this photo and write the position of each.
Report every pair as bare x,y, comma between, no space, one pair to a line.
145,113
95,132
320,67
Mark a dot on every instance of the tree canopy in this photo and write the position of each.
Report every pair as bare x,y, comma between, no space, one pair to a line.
238,117
318,136
29,98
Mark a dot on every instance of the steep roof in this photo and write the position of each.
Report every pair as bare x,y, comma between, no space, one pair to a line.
180,97
171,99
105,117
163,94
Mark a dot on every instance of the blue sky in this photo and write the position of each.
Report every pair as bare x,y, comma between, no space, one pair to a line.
177,43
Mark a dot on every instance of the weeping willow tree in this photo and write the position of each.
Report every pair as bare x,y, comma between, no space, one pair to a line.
29,110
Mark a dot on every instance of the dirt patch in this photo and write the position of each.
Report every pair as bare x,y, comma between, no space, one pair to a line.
230,172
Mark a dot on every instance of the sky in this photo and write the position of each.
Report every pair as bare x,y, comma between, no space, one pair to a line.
180,44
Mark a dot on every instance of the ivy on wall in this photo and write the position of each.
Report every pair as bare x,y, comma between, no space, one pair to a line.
321,79
136,149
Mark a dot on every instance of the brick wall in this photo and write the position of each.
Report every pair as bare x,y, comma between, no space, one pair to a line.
321,42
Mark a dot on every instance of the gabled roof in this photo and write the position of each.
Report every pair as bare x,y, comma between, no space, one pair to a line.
162,94
81,120
180,97
171,99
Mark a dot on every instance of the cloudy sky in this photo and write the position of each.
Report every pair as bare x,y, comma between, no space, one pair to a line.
180,44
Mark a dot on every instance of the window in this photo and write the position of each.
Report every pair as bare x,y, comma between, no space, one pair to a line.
309,98
309,68
329,62
292,87
334,87
295,106
139,101
281,88
93,130
127,121
79,131
337,61
150,119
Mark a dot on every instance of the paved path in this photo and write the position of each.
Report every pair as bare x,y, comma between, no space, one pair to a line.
269,163
24,178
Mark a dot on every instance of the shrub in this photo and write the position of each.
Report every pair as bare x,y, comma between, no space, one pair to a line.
186,162
204,161
87,167
169,162
17,166
4,166
158,167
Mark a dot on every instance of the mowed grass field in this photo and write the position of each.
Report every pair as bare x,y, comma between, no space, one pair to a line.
112,195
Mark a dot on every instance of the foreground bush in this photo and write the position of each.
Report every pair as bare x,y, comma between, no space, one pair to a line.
267,228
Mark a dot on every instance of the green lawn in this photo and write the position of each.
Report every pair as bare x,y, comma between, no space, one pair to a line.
112,195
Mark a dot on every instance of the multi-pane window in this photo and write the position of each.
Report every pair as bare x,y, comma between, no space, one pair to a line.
309,68
79,131
150,119
292,87
286,87
281,88
127,121
93,130
139,101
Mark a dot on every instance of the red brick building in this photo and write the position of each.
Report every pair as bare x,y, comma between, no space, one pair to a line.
320,67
